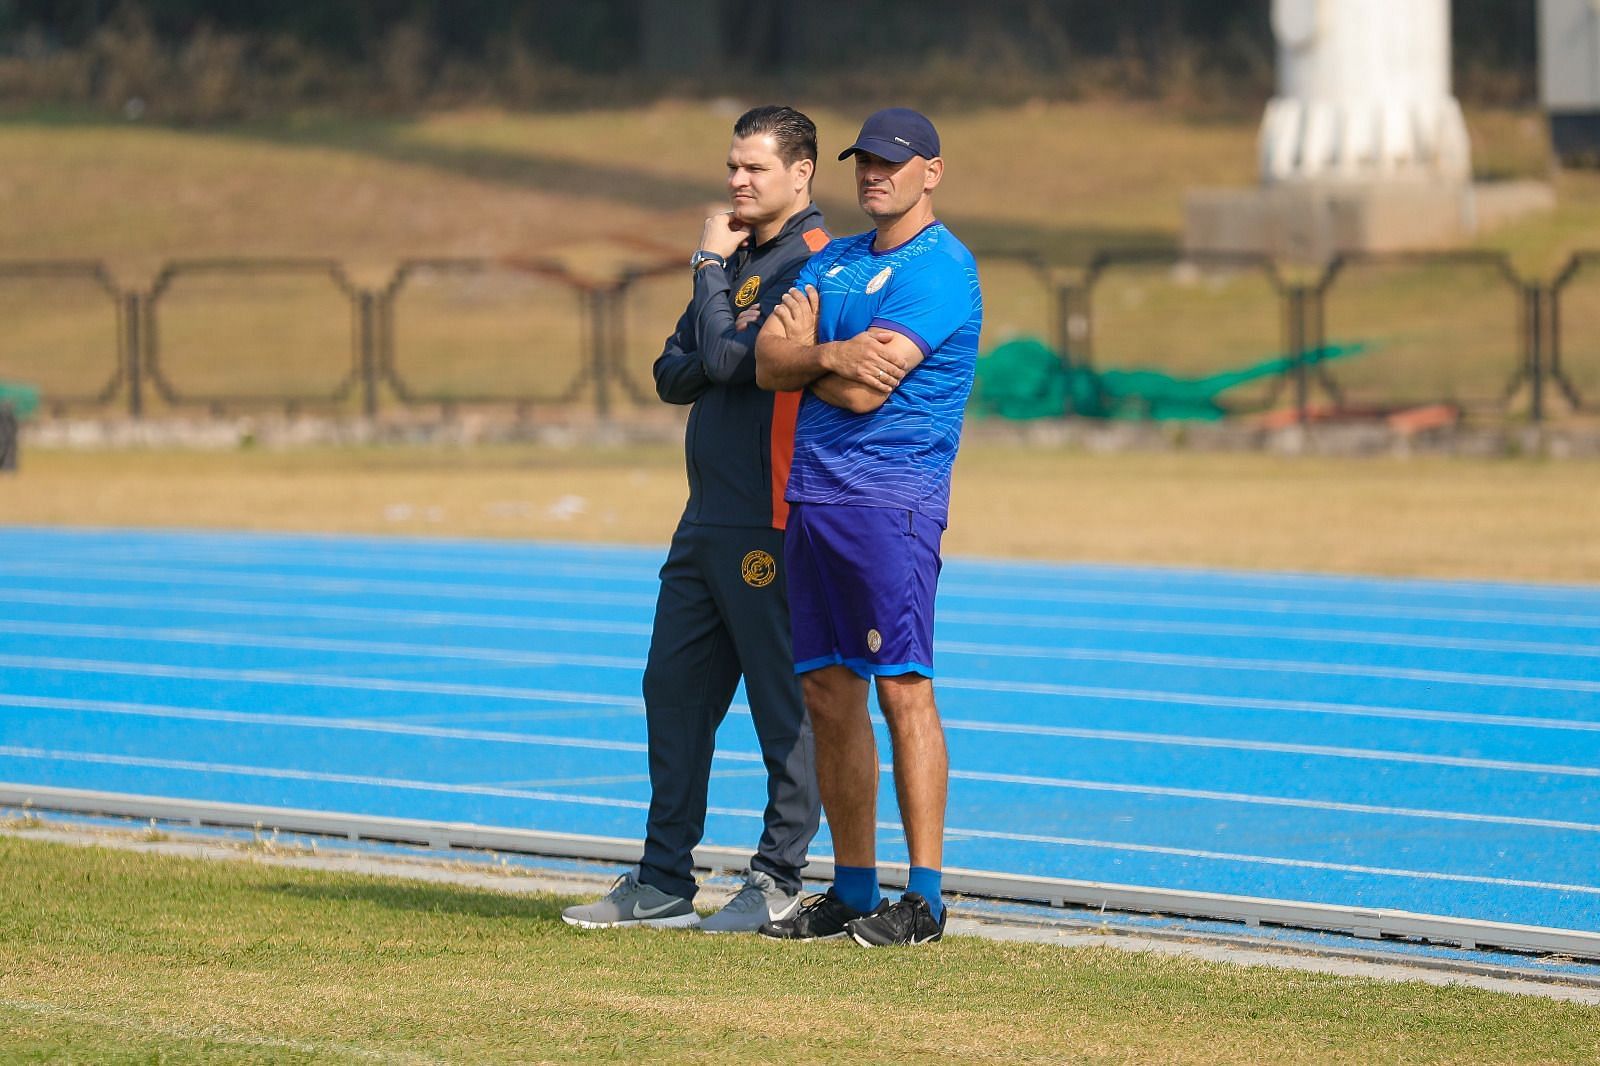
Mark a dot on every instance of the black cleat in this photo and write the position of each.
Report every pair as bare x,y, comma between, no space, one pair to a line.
908,920
820,917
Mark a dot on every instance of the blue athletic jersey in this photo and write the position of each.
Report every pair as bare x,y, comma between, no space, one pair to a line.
901,454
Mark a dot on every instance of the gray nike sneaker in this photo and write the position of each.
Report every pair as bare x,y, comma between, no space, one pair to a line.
758,902
631,902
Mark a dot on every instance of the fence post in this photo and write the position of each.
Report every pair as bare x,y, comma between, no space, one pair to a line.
133,338
8,438
1296,312
598,355
1534,302
1066,307
368,353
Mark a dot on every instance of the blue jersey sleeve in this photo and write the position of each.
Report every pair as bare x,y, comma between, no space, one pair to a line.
809,274
927,301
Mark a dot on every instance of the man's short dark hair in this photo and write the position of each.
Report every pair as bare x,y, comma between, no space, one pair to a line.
795,134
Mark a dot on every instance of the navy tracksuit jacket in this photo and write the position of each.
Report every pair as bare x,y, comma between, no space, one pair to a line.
723,612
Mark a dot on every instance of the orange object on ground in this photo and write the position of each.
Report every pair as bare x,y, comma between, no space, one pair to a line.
1414,420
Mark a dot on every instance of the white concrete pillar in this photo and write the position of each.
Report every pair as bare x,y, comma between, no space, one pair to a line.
1363,94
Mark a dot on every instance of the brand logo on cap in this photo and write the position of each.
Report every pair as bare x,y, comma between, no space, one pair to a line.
902,140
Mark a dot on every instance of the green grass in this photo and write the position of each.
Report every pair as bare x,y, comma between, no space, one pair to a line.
112,956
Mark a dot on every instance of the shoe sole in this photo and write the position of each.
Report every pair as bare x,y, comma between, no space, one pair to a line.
840,935
913,943
678,921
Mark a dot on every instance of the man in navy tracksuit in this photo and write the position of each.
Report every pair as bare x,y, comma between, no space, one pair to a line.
723,612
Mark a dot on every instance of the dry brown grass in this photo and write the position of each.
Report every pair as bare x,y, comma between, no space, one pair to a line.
1521,519
569,185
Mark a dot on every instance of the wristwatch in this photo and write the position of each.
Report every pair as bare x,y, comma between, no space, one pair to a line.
702,257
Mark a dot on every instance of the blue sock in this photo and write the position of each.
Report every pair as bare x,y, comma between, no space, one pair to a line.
925,881
857,887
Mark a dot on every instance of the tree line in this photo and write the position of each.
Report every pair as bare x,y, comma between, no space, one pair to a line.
228,58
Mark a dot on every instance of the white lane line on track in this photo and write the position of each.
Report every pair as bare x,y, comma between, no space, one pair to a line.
358,562
1276,666
1247,605
1247,632
549,695
297,611
224,638
98,758
177,578
461,619
379,726
360,587
1254,703
306,680
1275,747
358,725
1311,864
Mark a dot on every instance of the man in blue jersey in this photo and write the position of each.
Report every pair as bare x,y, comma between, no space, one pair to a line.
881,331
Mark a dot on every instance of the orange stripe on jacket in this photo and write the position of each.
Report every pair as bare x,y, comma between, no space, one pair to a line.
785,410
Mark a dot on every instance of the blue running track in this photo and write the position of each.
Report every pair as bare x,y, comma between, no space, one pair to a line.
1431,747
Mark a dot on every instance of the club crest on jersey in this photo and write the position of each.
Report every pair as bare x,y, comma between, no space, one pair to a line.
874,641
758,569
879,280
747,292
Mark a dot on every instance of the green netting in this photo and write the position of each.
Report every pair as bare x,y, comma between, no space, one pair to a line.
1025,378
22,399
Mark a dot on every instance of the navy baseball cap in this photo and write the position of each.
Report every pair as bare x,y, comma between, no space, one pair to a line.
896,134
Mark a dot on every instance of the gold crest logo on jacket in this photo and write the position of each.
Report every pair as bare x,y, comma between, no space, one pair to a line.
748,291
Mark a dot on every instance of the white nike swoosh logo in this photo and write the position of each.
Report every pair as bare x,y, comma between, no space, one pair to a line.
778,914
651,912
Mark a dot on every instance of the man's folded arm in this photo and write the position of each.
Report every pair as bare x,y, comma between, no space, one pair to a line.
680,375
863,399
783,365
727,353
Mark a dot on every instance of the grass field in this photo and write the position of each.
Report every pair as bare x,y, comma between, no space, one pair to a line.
1509,519
112,956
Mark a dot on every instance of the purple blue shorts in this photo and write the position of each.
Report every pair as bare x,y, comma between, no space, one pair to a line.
861,586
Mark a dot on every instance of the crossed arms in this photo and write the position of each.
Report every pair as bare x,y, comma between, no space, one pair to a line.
709,347
857,374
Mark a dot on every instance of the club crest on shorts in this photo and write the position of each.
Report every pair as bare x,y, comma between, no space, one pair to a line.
874,640
748,291
879,280
758,569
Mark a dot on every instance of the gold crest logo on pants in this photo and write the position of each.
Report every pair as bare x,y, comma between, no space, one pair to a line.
747,292
758,569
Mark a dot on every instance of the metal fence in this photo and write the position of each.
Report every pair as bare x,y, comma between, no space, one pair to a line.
298,334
